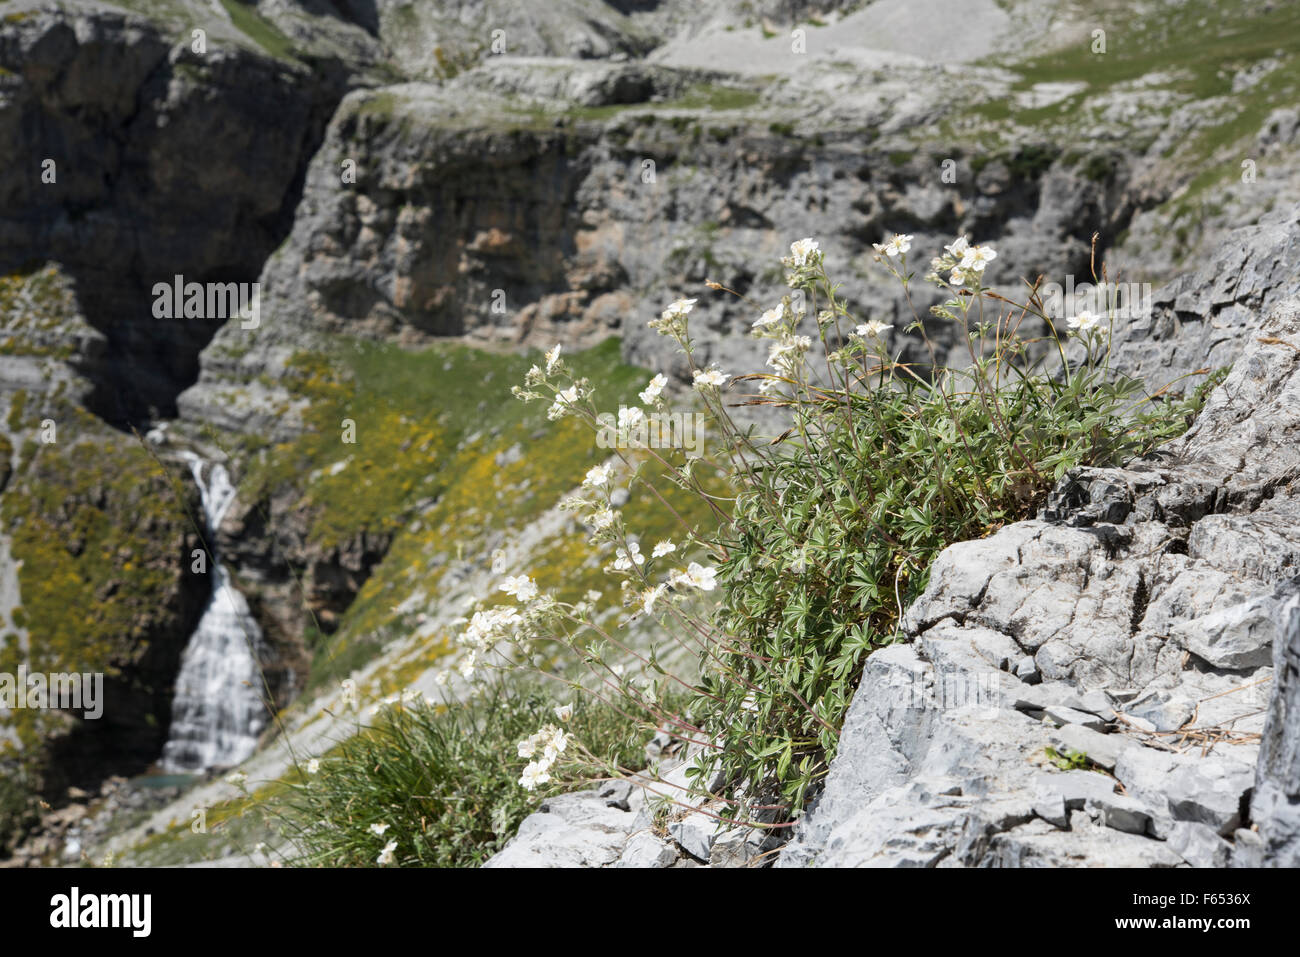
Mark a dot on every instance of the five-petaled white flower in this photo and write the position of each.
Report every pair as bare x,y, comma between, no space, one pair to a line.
521,587
536,773
624,562
386,855
802,250
630,418
710,378
963,277
895,246
653,389
552,358
1084,321
679,308
977,257
313,766
597,476
873,329
564,712
661,549
771,317
378,829
697,576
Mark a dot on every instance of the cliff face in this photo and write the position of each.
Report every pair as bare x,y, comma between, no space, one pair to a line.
119,136
116,135
95,549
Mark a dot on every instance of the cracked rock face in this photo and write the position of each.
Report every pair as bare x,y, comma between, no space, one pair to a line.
1152,600
1275,806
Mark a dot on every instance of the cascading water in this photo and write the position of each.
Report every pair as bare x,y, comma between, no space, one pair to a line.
217,709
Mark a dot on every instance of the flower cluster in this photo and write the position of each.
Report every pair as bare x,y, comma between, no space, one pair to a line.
653,390
803,252
710,379
964,262
672,321
897,245
787,353
542,749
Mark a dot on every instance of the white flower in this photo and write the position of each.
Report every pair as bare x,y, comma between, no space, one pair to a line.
771,317
378,829
650,596
237,778
313,766
564,401
629,418
962,277
386,855
601,519
564,712
803,250
554,742
534,774
411,695
552,357
625,562
661,549
786,354
488,627
679,308
597,476
521,587
466,665
653,389
259,847
977,257
895,246
528,747
1085,321
697,576
873,329
958,247
710,379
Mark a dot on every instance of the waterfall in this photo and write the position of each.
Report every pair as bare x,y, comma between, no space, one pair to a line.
217,709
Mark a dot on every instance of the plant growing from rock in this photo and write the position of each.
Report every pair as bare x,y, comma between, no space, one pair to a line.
824,533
